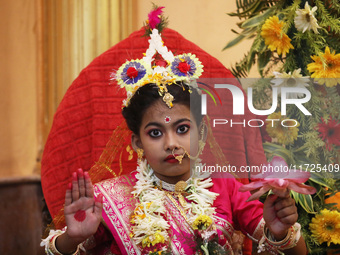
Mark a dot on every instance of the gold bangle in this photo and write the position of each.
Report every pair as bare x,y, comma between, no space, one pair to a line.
269,244
268,235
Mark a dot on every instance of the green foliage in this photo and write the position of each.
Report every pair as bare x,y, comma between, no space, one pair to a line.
309,149
240,68
328,20
247,9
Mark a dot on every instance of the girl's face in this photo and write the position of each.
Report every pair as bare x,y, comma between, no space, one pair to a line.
166,131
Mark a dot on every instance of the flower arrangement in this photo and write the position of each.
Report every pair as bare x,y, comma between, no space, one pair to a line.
149,228
296,44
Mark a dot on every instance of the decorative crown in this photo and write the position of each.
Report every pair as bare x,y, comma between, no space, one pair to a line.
133,74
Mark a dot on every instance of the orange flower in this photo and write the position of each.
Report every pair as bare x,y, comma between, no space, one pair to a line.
274,36
334,199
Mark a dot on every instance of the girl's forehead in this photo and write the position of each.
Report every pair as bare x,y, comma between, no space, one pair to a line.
159,111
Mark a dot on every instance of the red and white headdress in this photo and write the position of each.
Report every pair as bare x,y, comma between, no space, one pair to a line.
158,66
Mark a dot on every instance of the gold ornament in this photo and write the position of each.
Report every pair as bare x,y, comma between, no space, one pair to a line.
140,153
168,98
130,151
180,186
179,189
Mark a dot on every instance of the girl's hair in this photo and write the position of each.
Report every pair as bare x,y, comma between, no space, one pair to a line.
147,95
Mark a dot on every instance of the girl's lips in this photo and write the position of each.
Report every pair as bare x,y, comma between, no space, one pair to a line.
171,159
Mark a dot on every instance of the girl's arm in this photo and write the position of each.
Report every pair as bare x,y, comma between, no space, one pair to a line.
280,213
82,213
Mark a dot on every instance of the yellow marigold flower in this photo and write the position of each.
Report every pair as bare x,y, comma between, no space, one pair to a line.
325,227
274,37
285,132
158,238
202,222
326,68
153,240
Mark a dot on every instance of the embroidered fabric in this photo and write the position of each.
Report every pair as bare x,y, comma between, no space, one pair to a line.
118,210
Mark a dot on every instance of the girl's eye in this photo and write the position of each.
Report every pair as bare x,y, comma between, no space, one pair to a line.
155,133
183,129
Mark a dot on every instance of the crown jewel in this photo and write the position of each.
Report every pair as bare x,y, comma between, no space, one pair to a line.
133,74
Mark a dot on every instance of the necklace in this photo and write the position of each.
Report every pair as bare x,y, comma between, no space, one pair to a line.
148,224
178,187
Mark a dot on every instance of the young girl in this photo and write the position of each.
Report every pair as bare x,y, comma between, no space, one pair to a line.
163,134
165,206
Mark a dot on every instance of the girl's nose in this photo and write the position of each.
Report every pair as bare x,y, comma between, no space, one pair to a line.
171,143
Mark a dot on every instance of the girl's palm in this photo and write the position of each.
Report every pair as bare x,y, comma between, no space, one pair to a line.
82,210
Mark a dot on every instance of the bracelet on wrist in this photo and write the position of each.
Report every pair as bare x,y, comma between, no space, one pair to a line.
269,243
50,246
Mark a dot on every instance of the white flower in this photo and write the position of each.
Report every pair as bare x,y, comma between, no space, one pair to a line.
305,19
160,70
45,242
294,79
156,45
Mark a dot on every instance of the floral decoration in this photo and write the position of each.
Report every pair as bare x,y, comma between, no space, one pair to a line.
325,227
186,65
296,44
279,180
285,134
132,74
326,68
274,36
305,19
290,79
330,132
159,65
149,227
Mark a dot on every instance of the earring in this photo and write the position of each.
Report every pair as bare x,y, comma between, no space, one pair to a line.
130,151
140,153
202,132
201,145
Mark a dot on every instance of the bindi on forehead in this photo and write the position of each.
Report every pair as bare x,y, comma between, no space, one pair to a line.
167,119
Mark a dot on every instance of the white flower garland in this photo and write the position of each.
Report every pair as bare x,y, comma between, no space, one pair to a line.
156,45
148,224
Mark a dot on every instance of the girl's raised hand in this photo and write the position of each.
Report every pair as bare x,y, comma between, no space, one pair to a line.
279,213
82,210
